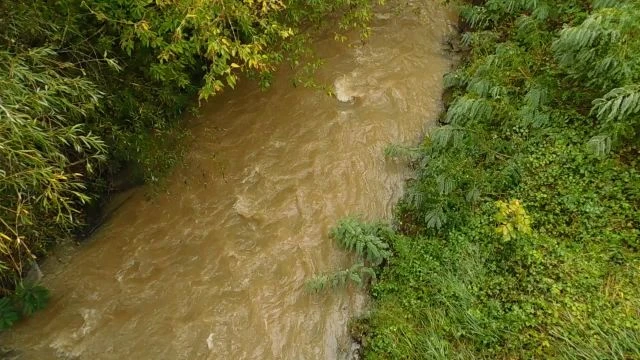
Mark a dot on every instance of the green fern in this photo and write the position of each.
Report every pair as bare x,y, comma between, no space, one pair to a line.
601,4
475,16
466,109
455,79
537,96
445,184
31,298
529,116
447,135
358,274
603,48
473,195
618,104
8,313
366,240
618,113
396,151
435,218
542,12
480,87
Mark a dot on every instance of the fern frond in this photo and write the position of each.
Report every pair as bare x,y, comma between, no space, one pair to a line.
466,109
602,4
445,184
479,86
358,274
473,195
618,112
537,96
617,104
366,240
529,116
415,197
446,135
591,32
435,218
475,16
454,79
397,151
601,50
542,12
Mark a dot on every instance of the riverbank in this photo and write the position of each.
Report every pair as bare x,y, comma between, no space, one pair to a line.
520,235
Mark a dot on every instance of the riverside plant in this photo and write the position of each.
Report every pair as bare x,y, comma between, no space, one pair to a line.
368,243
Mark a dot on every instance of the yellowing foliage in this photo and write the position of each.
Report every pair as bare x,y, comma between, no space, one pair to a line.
512,219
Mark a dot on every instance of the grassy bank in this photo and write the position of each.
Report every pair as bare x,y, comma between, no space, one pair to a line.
519,238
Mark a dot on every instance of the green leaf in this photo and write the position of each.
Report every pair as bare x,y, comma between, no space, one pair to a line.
8,314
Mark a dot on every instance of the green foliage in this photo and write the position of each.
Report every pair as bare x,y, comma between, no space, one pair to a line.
8,313
601,48
368,242
395,151
617,112
512,219
44,153
27,299
357,274
473,276
30,298
601,51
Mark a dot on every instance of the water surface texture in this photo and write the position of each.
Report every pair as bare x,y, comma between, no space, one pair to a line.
214,267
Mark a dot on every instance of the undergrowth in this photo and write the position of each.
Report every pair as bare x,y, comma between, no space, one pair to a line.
520,236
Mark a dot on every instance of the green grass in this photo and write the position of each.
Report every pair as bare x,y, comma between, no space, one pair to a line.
569,290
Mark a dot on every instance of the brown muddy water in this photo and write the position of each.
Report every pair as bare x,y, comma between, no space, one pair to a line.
214,267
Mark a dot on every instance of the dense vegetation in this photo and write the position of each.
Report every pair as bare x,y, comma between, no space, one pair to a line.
91,87
519,238
367,242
